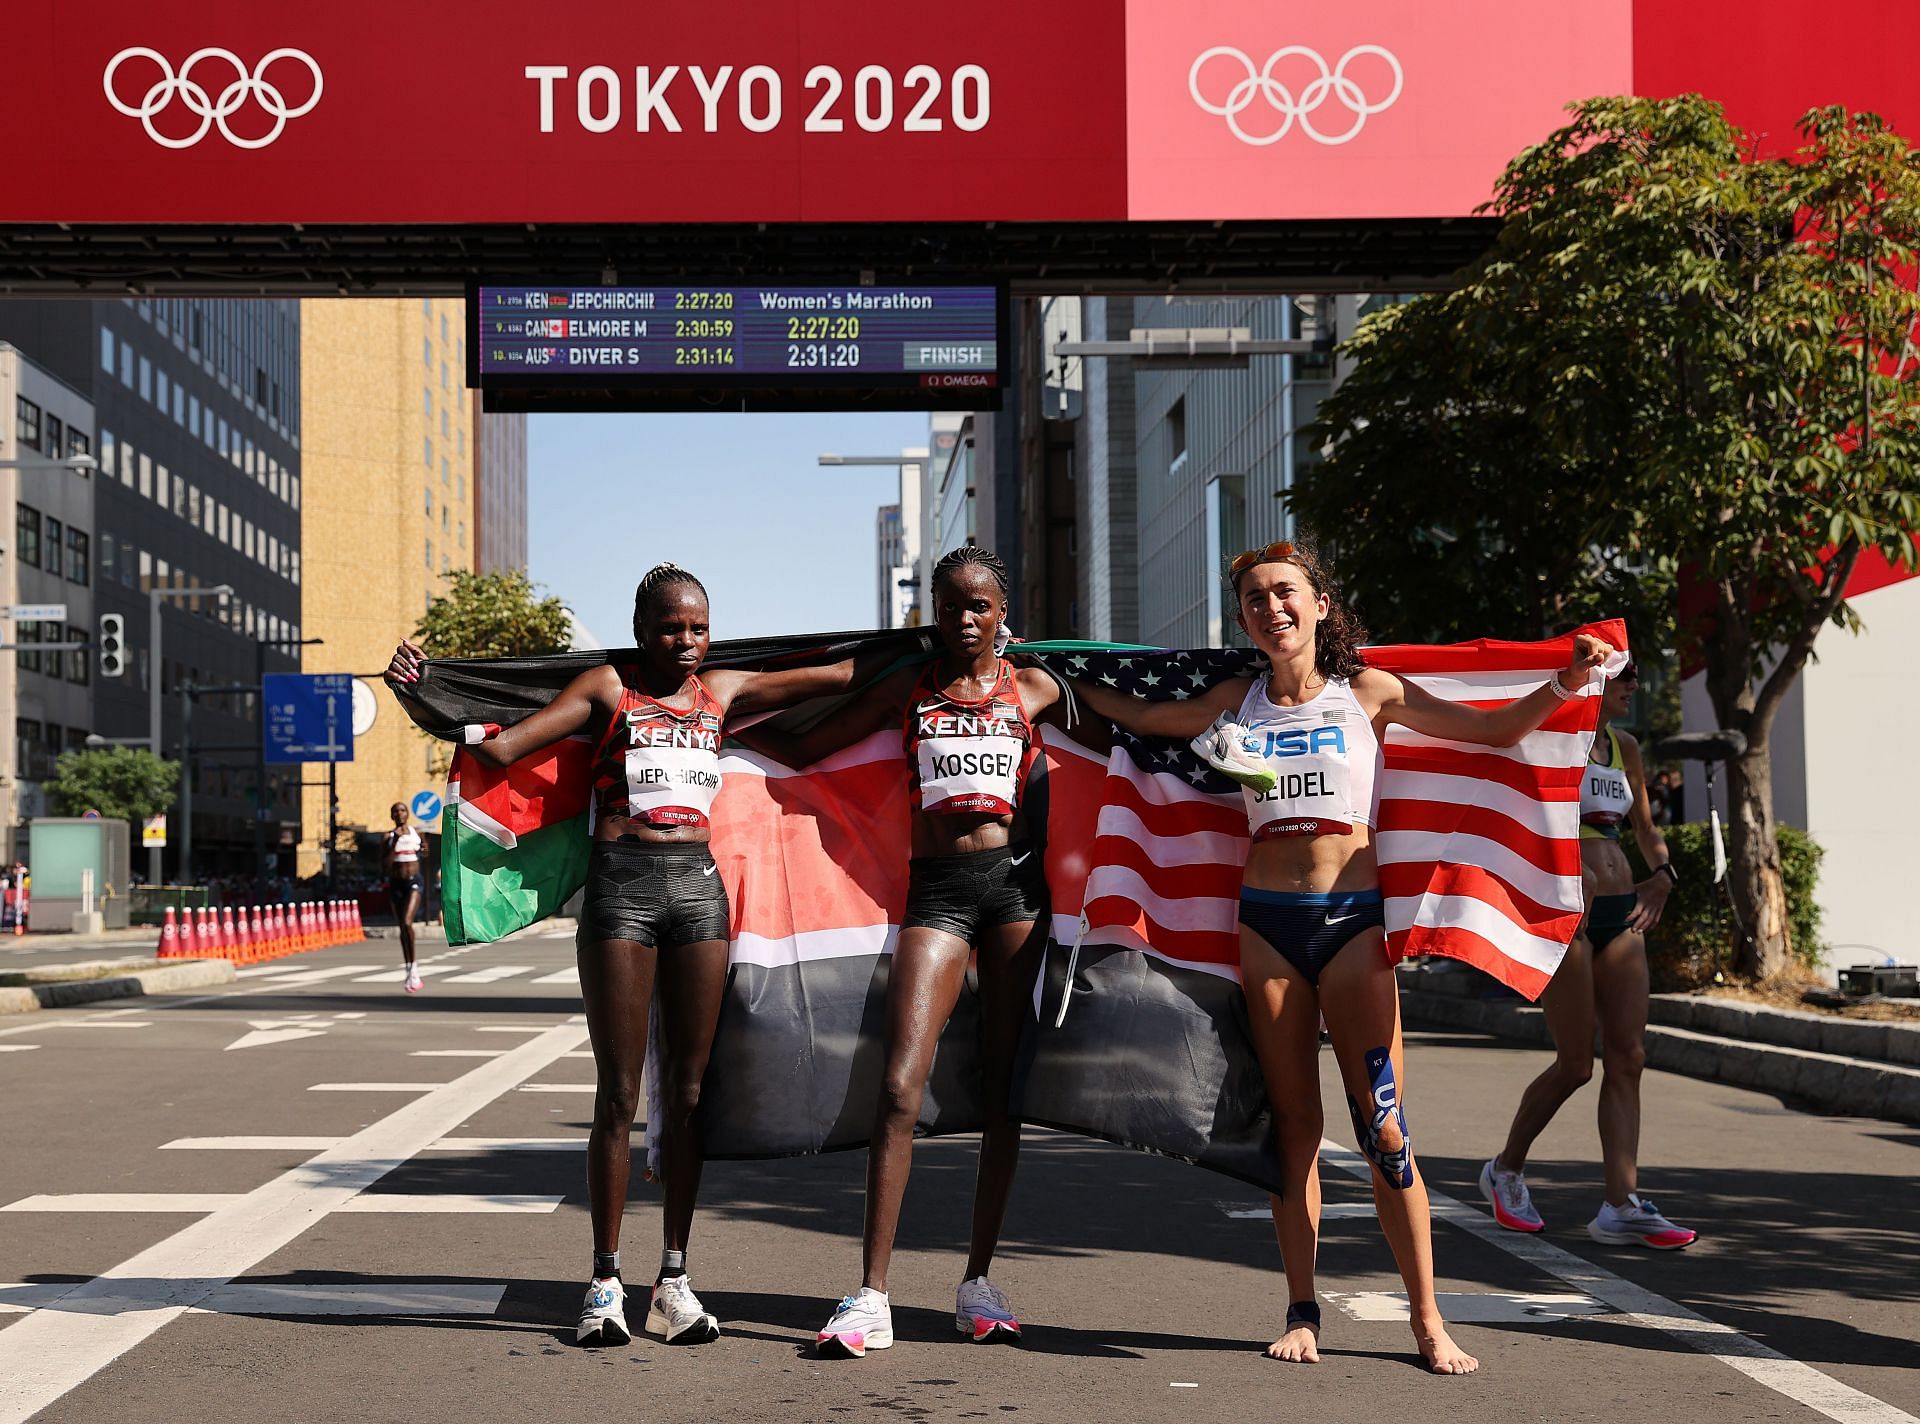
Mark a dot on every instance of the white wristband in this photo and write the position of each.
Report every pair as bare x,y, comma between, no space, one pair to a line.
1560,690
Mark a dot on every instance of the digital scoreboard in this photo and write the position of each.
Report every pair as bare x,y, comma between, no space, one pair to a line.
819,345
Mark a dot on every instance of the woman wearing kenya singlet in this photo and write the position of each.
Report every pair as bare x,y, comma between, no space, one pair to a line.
405,888
974,886
1305,741
1603,979
654,903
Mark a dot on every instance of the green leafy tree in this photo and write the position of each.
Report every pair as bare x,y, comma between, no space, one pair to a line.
1679,365
497,615
121,783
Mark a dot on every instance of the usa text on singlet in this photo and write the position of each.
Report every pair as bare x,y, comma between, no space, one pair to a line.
1325,759
658,764
968,756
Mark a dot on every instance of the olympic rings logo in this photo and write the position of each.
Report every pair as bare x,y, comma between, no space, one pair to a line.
1331,83
198,97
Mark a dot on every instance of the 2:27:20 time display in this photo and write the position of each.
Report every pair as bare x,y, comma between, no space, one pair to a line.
822,355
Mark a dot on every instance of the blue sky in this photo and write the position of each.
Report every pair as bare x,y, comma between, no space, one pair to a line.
783,545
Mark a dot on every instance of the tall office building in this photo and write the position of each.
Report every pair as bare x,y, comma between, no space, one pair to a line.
196,410
46,697
389,429
499,490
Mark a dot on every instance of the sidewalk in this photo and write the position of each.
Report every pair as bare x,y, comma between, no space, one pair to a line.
44,946
1830,1064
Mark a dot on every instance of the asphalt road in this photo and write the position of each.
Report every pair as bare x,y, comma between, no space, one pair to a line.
310,1196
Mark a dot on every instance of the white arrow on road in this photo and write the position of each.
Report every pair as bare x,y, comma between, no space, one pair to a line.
266,1031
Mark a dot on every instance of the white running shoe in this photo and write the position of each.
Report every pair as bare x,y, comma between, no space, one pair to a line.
981,1310
677,1316
413,980
1507,1193
863,1322
603,1316
1638,1223
1225,746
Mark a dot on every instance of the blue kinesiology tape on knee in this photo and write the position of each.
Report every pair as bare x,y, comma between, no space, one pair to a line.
1383,1108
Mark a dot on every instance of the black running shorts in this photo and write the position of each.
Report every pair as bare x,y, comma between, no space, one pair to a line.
659,895
982,889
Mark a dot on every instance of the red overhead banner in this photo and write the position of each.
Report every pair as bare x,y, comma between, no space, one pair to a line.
224,112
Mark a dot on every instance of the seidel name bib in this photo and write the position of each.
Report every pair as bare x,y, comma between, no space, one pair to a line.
1324,757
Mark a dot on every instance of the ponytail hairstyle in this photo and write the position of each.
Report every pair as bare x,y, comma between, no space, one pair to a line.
651,582
973,556
1338,638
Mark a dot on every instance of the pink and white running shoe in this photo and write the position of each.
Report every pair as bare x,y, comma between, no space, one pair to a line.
1638,1223
863,1322
1507,1193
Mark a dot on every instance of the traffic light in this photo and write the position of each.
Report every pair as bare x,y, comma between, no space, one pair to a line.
113,645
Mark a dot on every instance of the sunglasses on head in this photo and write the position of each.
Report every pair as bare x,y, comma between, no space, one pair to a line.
1282,549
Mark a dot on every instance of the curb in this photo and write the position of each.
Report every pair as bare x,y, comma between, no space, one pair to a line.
161,979
1826,1082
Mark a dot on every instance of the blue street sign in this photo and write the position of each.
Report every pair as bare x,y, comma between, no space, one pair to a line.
425,806
307,716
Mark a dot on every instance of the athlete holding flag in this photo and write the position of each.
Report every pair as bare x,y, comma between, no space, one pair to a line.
1305,742
654,906
974,886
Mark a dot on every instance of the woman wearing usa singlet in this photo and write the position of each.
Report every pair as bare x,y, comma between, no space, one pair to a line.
1304,741
1603,981
974,887
655,912
404,885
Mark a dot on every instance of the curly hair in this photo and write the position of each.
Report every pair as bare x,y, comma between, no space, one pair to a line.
972,556
1338,638
651,582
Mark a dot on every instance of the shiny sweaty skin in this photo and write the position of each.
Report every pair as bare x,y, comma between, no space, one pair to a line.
619,978
930,964
1603,984
1284,604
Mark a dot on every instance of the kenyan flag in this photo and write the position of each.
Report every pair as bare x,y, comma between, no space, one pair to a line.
515,839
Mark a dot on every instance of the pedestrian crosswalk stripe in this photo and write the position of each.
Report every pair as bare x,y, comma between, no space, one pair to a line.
1470,1307
125,1201
414,1203
250,1144
373,1087
557,1087
398,973
401,1203
509,1144
456,1053
569,975
491,975
272,1298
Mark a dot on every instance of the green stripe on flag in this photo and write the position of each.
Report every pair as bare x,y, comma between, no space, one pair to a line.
488,892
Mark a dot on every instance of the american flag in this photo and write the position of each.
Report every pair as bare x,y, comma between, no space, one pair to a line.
1478,846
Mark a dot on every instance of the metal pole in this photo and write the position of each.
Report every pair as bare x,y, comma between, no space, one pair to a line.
260,773
186,785
333,824
154,666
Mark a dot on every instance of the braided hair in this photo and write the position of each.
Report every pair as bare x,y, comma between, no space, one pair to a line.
651,582
973,556
1338,638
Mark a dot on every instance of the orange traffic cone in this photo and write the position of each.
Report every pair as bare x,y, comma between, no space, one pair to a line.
169,937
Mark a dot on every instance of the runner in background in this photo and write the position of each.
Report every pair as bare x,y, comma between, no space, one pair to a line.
1603,981
404,885
655,912
1304,741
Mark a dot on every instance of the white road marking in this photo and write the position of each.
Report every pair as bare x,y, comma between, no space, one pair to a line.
18,1047
448,1203
266,1031
318,976
266,1298
397,974
268,971
70,1339
250,1144
569,975
1329,1211
509,1144
95,1022
557,1087
1760,1363
125,1201
456,1053
1469,1307
508,1028
373,1087
491,975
